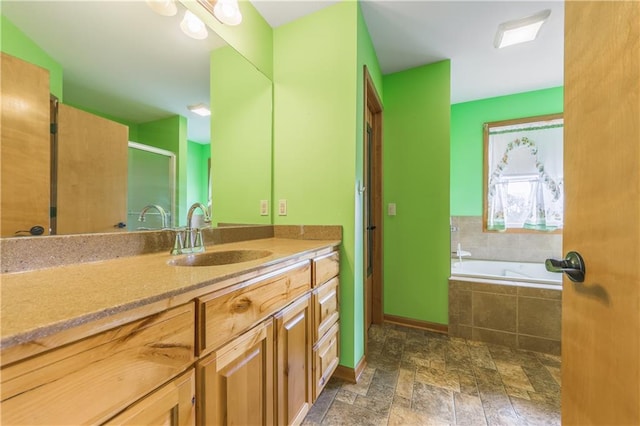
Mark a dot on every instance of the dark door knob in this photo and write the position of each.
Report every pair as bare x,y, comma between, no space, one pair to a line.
572,265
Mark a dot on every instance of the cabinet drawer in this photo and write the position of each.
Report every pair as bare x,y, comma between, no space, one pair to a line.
325,268
325,307
90,381
173,404
229,312
326,354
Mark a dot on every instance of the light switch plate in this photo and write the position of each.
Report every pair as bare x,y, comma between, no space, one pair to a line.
391,209
282,207
264,207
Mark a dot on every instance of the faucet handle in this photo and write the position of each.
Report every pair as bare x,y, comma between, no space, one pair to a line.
198,241
178,244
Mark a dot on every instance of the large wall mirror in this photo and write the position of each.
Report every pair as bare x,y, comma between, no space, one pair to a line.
523,175
124,63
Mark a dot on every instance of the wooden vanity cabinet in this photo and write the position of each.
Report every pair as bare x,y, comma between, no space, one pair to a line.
94,379
235,382
257,352
293,361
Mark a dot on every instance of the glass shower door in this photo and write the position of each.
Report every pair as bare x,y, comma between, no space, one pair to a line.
152,181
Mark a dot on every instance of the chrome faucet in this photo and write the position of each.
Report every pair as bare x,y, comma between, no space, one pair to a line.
163,214
189,244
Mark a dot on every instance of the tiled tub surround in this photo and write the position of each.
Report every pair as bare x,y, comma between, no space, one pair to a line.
520,317
516,247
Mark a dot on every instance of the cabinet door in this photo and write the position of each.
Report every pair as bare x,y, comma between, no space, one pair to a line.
92,172
235,382
25,160
293,373
171,405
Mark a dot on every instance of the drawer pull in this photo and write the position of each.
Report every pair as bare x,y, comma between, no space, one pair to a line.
241,305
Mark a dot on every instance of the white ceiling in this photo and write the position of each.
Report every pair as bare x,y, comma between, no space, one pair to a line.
121,58
407,34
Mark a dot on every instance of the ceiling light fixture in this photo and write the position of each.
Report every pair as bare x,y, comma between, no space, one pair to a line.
163,7
520,30
200,109
192,26
227,12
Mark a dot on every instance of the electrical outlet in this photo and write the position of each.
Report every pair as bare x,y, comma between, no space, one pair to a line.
391,209
282,207
264,207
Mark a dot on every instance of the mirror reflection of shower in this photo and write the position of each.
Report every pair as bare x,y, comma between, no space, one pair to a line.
152,181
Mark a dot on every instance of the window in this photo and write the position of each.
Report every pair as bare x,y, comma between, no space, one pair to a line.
523,175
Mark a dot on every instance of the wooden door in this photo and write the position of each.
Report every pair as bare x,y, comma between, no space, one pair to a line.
235,382
25,152
601,317
372,171
293,369
171,405
92,172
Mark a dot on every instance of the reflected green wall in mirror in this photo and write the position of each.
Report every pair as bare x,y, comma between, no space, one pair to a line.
240,139
16,43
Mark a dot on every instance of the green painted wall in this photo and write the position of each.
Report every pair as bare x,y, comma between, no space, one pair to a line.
416,178
241,130
197,172
315,106
366,57
253,38
171,134
467,144
16,43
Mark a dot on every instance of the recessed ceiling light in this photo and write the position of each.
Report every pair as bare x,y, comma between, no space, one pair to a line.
520,30
200,109
193,26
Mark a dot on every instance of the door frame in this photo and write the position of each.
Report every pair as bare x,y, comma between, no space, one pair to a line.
372,103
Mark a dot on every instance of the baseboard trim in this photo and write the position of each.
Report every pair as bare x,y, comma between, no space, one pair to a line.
348,374
424,325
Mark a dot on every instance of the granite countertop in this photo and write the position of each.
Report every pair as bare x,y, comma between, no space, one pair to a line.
39,303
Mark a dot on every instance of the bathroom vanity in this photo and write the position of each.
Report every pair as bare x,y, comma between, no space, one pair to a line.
137,340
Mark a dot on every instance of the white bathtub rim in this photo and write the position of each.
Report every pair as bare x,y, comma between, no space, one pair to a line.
531,283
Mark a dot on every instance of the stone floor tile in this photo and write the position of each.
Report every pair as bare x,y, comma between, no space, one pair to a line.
440,378
416,377
468,410
433,401
481,357
404,416
404,387
468,384
363,384
378,399
498,410
514,376
349,415
555,373
536,412
386,378
346,396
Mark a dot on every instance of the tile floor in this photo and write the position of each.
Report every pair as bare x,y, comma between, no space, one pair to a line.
416,377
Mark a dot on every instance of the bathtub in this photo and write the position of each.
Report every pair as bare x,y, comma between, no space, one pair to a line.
506,273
